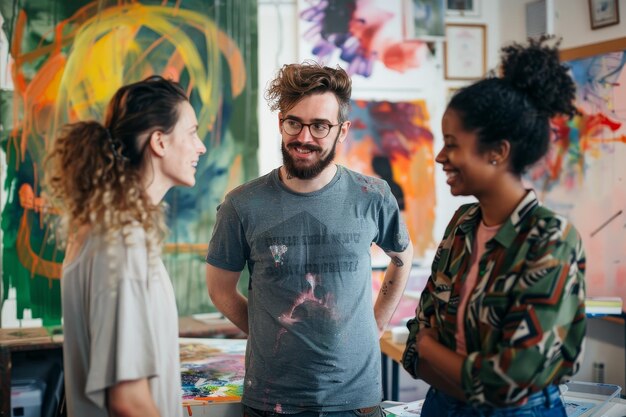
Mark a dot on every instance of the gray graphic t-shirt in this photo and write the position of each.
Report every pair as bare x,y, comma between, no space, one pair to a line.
313,342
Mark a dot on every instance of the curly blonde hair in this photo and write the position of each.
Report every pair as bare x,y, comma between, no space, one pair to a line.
93,171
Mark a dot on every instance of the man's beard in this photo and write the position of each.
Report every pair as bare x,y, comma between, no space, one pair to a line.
310,171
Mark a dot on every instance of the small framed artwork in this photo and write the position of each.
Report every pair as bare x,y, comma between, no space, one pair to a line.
465,52
424,19
603,13
462,7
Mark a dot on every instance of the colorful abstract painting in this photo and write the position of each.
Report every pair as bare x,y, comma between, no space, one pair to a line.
393,141
212,370
365,37
584,175
67,58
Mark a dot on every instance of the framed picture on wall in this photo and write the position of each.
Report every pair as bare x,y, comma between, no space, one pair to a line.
462,7
603,13
424,19
465,51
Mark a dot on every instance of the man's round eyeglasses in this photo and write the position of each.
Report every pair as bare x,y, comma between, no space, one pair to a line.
319,130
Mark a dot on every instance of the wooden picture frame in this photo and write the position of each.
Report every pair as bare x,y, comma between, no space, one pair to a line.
465,51
603,13
586,51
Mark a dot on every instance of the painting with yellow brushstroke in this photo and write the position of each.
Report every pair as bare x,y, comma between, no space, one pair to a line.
393,141
67,58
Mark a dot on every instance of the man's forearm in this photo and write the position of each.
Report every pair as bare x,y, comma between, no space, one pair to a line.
234,307
222,286
392,288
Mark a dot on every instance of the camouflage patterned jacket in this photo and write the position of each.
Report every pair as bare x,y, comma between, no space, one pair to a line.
525,320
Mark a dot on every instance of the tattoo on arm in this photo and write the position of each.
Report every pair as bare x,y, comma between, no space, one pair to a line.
385,288
397,261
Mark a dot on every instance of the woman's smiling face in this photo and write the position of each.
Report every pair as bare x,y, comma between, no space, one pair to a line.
468,171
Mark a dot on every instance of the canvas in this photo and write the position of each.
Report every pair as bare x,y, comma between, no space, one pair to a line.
584,175
366,38
393,141
67,58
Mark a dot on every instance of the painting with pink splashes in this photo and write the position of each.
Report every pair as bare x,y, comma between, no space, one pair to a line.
365,37
584,174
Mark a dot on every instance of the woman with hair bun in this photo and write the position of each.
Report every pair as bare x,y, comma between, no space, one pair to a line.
120,319
501,321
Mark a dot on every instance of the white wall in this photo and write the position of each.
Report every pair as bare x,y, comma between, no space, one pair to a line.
572,23
277,46
570,19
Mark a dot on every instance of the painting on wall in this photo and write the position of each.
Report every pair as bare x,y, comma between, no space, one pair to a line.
364,37
66,61
584,176
425,19
212,370
393,141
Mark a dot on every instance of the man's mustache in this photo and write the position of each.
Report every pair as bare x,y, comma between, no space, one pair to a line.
306,146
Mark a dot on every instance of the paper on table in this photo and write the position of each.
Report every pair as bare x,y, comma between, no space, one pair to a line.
412,409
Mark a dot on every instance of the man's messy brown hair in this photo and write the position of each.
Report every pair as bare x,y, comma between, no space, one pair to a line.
296,81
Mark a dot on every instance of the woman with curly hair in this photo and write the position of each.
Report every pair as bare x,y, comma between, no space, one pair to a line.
120,318
501,321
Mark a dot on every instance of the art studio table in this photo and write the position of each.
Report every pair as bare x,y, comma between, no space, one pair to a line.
212,372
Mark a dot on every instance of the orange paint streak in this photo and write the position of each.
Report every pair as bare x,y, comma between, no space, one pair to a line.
174,68
40,93
29,259
197,248
227,398
235,62
233,56
18,82
235,176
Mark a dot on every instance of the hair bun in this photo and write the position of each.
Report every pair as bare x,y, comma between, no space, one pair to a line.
536,71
